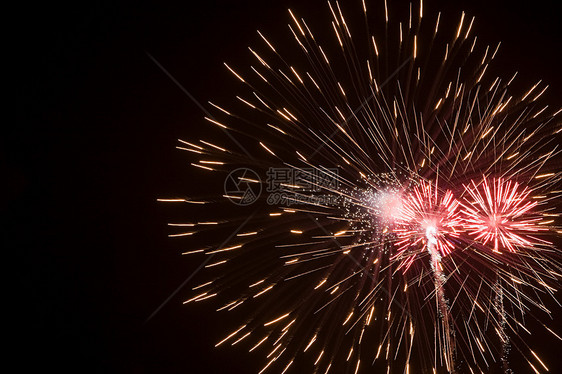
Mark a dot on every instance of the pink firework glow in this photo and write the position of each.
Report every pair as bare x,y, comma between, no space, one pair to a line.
500,212
389,204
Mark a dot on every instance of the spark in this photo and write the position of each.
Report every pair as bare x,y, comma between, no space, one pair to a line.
276,320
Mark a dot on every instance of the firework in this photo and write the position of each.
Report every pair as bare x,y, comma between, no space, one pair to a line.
429,219
497,215
393,178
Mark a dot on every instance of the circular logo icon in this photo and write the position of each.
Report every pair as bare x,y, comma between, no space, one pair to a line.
242,186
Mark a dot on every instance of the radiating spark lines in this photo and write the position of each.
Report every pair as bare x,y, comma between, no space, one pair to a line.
412,215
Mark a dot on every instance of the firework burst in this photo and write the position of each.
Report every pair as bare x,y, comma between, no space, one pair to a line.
398,173
429,220
499,214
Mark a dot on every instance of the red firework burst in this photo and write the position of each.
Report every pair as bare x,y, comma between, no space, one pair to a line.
429,219
500,212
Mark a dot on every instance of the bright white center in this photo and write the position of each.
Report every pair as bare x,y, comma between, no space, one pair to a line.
430,233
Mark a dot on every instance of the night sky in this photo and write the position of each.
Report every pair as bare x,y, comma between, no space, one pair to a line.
93,148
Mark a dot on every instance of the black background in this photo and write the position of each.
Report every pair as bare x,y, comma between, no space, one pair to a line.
93,147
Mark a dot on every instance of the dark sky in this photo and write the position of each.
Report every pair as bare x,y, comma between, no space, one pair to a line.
93,147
